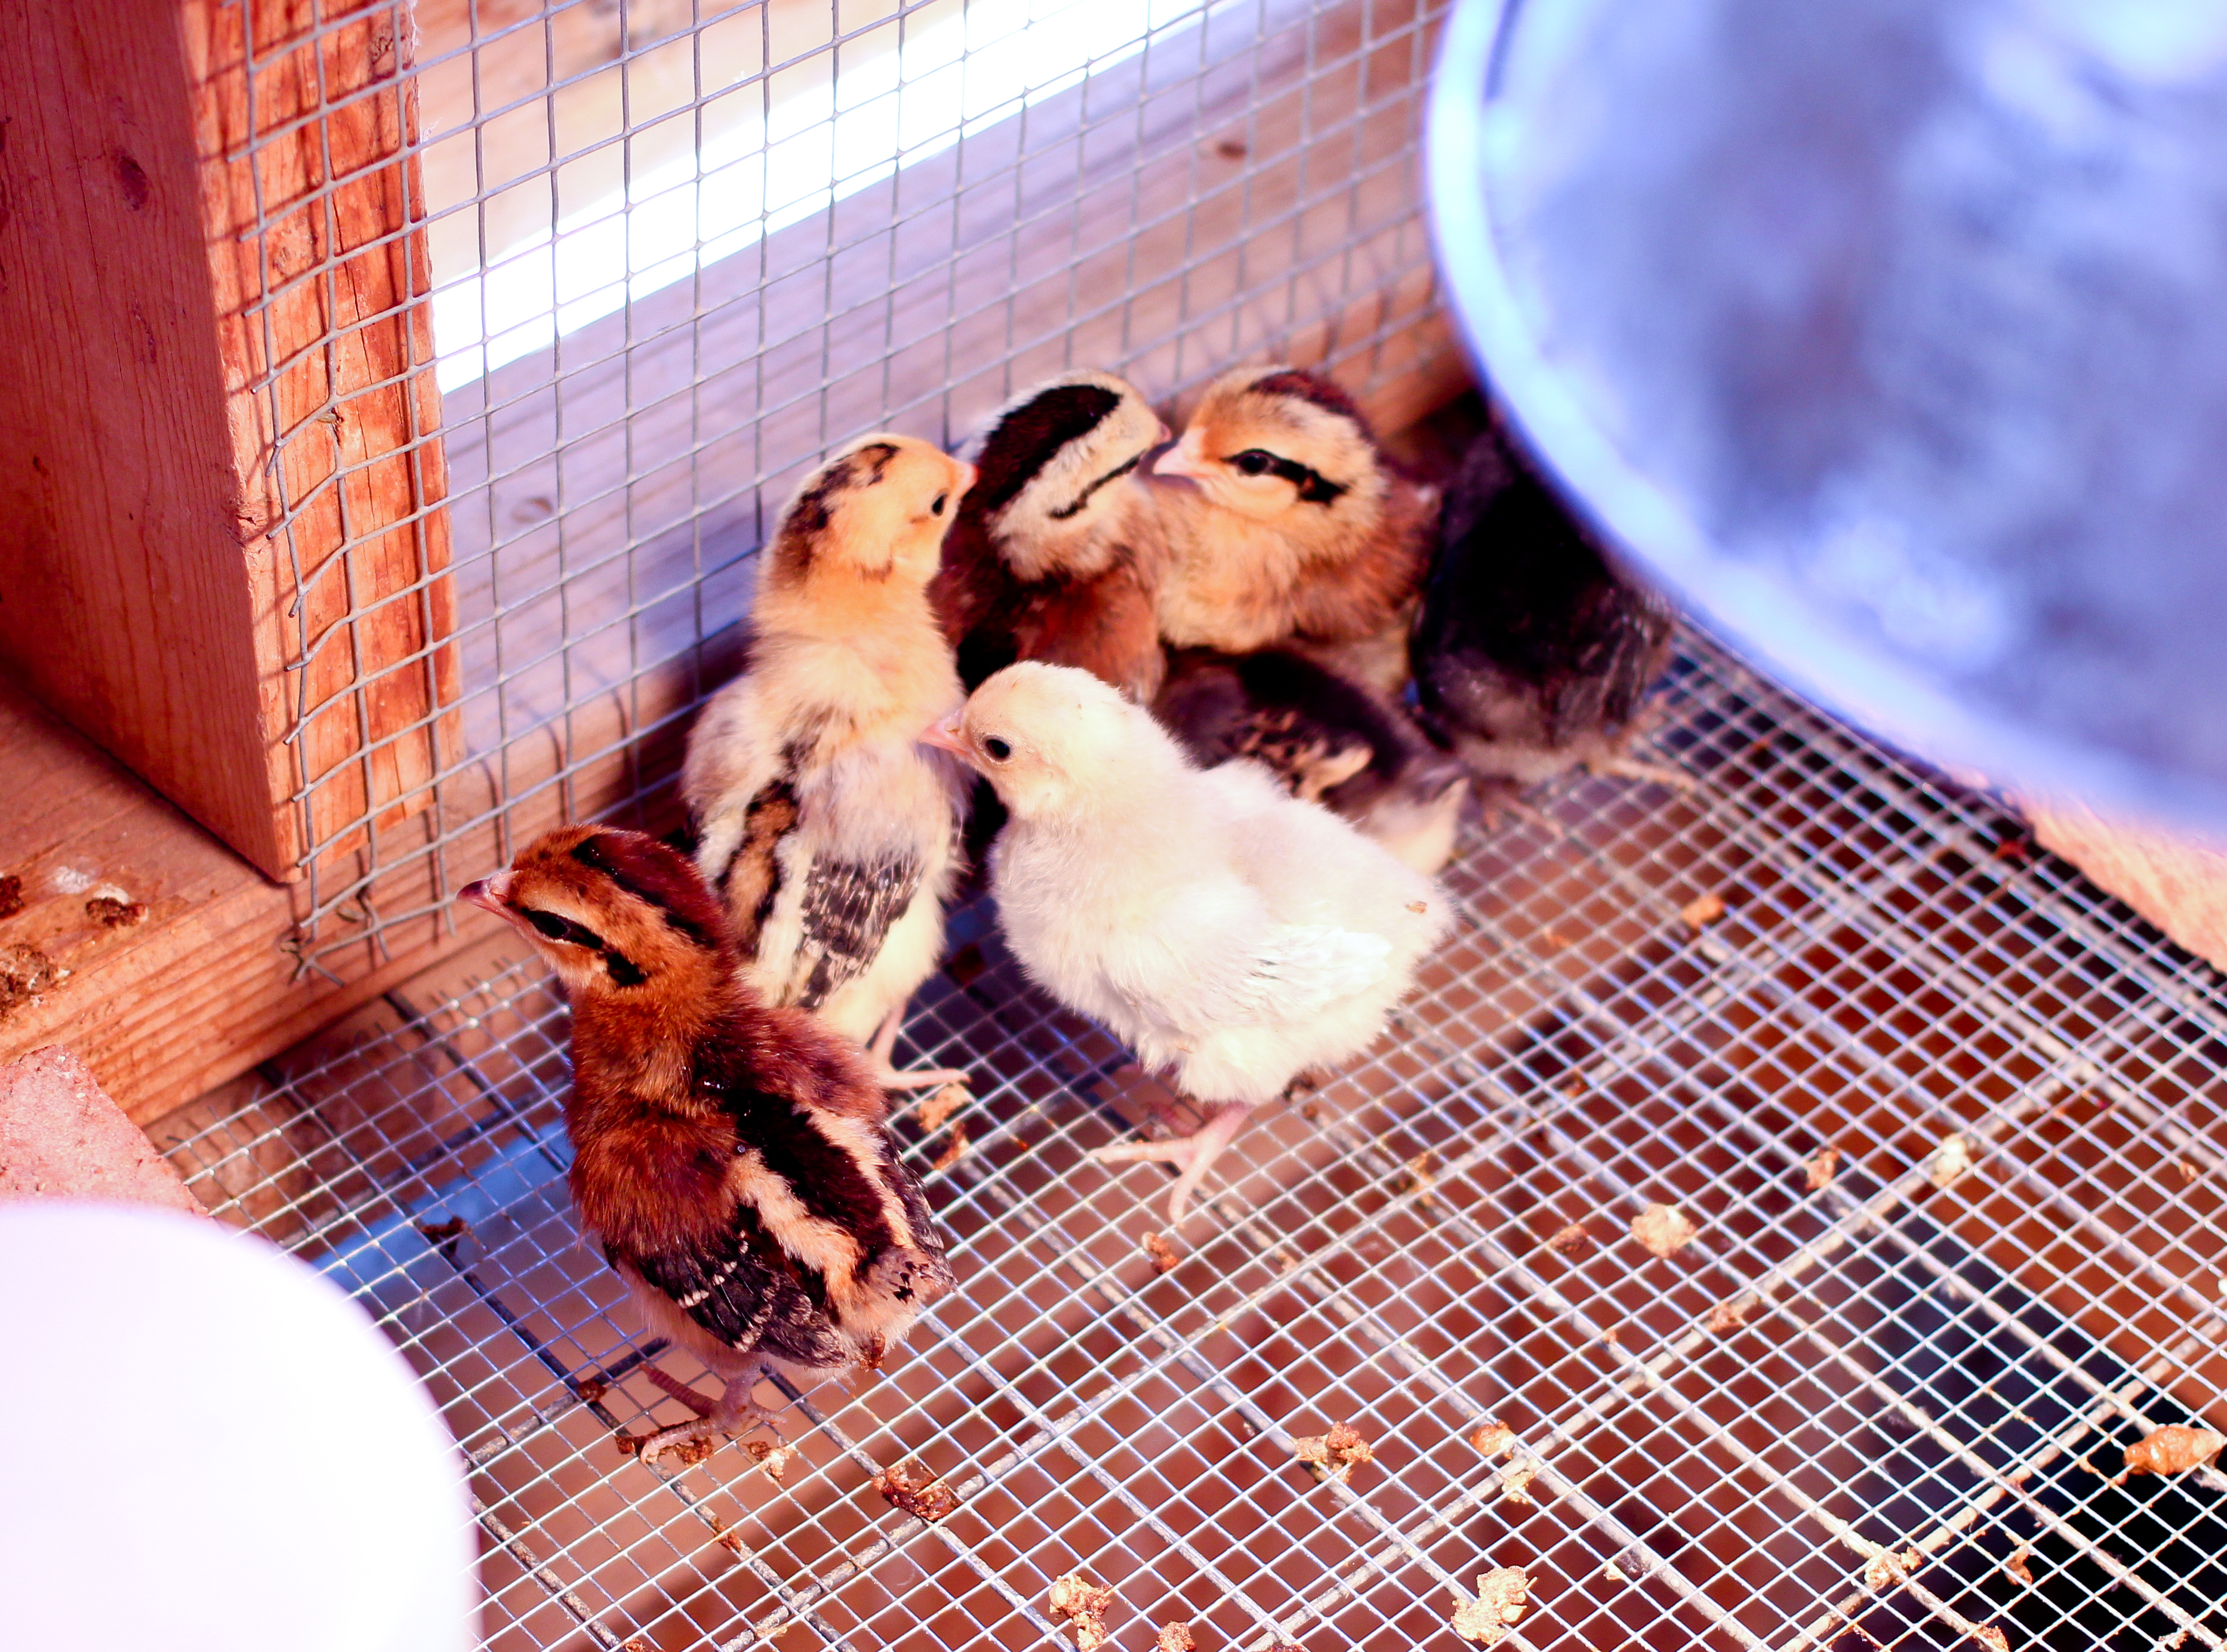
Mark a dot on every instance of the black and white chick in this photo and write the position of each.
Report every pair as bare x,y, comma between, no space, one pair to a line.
1057,550
1535,650
732,1159
1325,739
831,835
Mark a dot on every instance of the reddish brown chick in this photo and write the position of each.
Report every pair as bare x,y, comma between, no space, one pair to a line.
1057,552
732,1158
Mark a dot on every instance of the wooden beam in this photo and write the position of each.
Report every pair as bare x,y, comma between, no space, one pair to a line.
304,114
125,605
220,480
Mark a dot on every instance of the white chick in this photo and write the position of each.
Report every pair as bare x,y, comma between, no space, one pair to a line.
831,838
1229,932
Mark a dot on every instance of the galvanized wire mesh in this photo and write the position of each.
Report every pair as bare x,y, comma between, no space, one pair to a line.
679,250
1874,1395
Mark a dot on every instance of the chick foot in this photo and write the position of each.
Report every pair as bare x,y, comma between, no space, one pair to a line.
733,1412
1633,768
1195,1153
884,1045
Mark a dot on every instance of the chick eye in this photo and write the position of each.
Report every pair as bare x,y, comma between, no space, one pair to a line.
563,929
1253,462
998,750
941,499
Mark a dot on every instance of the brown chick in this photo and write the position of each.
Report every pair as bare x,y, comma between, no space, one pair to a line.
832,837
1286,523
1056,552
733,1159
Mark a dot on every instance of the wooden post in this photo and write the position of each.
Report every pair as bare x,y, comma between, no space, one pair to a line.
220,479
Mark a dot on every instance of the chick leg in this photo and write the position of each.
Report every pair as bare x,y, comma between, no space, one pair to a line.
884,1045
1196,1153
733,1412
1622,767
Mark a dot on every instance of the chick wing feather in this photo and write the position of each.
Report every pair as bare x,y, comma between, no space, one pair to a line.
744,1289
849,907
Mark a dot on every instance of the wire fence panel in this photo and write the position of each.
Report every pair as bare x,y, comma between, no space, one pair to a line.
667,255
1946,1125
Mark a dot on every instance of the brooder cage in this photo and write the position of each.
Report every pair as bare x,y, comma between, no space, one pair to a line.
530,316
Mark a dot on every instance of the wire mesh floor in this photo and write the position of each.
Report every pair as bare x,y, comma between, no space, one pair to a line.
1876,1393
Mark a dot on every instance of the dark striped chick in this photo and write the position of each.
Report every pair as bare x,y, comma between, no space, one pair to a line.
831,836
1535,649
1326,740
1057,550
733,1159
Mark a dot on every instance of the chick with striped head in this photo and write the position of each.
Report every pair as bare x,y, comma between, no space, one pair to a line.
732,1158
1057,549
830,835
1286,523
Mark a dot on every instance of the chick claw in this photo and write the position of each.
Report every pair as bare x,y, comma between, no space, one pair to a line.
733,1412
1196,1153
886,1075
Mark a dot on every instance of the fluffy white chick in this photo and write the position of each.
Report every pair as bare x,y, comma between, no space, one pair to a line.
1230,934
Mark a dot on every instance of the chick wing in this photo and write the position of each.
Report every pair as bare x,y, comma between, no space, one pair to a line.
1272,974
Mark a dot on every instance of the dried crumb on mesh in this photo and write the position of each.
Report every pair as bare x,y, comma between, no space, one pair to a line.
1663,1229
1727,1315
1988,1634
1703,910
2016,1569
1175,1637
1515,1483
910,1487
1165,1258
1083,1605
1950,1160
1338,1452
775,1457
687,1453
110,913
1493,1438
2173,1450
1570,1240
954,1149
936,1110
1889,1568
1501,1596
729,1539
1821,1170
11,895
592,1390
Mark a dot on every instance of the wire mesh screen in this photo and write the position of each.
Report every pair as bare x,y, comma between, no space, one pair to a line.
1946,1126
676,252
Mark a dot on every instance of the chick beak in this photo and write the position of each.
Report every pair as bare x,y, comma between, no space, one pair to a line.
967,473
1184,459
491,895
944,736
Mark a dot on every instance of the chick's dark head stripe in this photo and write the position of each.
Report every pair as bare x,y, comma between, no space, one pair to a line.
1028,436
